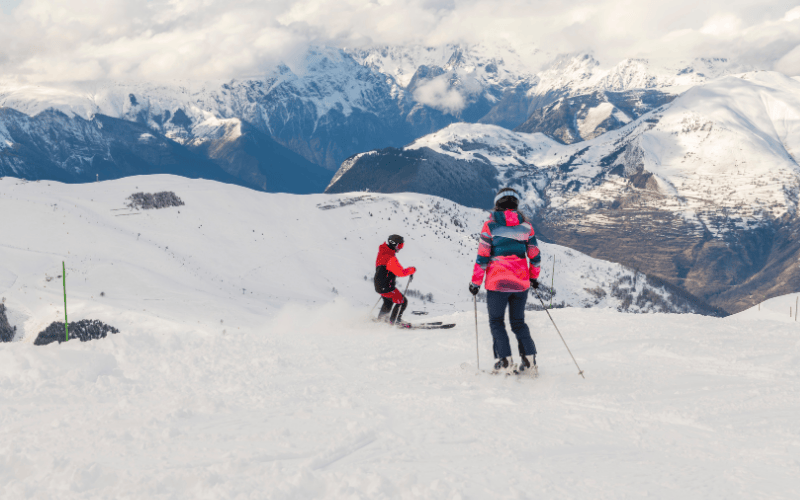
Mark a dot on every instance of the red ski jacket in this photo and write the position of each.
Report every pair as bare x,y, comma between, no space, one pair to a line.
387,269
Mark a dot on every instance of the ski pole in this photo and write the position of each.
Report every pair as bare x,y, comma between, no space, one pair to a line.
66,321
580,372
477,353
410,279
373,307
379,298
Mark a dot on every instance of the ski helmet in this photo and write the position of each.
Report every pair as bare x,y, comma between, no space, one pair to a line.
507,199
395,241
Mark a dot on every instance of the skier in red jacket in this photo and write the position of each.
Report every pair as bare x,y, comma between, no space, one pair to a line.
387,269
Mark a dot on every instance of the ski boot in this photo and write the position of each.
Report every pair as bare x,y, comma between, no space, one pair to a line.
506,366
402,324
528,366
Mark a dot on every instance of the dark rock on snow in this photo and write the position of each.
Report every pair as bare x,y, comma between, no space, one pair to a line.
84,330
148,201
6,330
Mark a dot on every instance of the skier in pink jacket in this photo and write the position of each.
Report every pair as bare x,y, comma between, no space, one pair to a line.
508,261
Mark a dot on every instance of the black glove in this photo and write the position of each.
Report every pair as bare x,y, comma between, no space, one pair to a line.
534,283
473,289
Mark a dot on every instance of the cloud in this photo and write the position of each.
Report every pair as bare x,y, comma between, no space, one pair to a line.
790,63
207,39
724,25
437,94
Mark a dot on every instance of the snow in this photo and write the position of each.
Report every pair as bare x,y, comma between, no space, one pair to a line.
513,65
581,73
240,373
5,137
325,79
778,309
347,165
503,147
594,117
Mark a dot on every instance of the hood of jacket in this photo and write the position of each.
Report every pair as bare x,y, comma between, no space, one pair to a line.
508,218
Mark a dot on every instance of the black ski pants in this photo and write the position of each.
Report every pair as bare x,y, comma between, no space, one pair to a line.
515,302
397,312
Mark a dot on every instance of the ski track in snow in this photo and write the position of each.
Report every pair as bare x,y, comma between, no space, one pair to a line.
302,397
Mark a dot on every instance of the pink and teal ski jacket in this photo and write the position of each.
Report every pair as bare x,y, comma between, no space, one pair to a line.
506,240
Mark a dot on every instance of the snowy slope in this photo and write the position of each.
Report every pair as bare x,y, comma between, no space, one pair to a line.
286,391
777,309
283,248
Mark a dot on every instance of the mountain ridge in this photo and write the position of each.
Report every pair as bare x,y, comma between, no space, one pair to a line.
334,103
701,191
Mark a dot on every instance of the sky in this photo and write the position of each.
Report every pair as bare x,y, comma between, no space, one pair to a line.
50,40
9,5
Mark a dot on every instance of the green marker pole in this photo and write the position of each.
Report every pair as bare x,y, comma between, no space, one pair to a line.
552,281
64,275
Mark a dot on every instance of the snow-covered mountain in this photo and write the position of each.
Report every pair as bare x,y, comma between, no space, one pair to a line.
325,108
334,103
246,365
702,191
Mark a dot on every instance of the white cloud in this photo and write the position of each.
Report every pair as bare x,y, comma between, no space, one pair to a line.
790,63
722,25
167,39
437,94
792,15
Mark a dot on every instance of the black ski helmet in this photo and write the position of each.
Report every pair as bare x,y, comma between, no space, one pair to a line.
394,241
507,199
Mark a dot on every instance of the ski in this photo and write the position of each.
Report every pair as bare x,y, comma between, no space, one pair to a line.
525,374
432,323
429,326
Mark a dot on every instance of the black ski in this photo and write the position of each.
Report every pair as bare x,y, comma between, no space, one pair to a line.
429,326
433,325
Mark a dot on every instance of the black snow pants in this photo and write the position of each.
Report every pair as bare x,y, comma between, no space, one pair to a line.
397,312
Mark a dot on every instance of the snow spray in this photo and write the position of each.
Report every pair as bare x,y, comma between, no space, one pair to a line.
64,275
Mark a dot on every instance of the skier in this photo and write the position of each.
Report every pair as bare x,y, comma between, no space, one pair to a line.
507,238
387,269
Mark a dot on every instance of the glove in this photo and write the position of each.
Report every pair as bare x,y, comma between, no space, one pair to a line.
473,288
534,283
411,270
